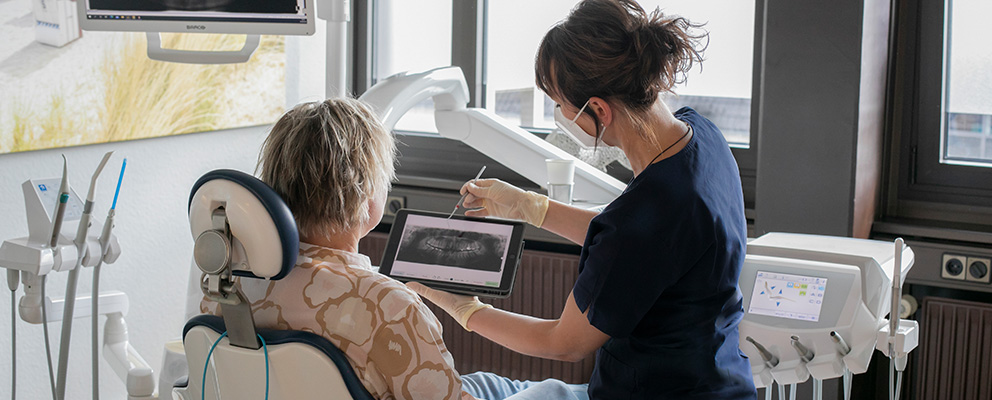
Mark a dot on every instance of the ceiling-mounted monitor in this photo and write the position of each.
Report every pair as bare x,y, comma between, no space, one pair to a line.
258,17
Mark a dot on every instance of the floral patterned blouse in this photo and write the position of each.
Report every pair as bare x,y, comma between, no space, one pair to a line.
392,340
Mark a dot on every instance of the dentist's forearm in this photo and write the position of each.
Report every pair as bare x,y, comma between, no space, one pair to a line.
568,338
567,221
521,333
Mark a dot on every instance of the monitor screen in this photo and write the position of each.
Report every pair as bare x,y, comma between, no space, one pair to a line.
787,296
207,16
452,250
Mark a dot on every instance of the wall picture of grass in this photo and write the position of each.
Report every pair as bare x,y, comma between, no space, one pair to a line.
103,88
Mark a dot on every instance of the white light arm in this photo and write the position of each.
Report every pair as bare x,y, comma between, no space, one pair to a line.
486,132
395,95
523,152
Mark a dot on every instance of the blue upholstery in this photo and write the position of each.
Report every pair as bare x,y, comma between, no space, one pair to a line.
277,337
289,237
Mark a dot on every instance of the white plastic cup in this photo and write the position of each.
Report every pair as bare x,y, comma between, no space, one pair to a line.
561,179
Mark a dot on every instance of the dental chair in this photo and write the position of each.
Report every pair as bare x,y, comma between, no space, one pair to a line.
244,230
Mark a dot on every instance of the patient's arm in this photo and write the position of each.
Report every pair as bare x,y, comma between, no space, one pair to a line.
410,354
568,338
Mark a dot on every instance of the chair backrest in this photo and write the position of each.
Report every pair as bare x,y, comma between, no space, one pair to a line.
244,230
302,365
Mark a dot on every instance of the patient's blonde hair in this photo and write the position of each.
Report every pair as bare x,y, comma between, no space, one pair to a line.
327,159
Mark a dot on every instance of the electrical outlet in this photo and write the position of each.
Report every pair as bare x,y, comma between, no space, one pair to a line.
394,204
977,269
954,267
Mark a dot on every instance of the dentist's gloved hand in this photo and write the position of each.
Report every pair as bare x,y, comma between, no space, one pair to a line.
458,306
493,197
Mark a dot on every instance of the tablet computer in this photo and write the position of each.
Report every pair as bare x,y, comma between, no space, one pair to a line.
465,255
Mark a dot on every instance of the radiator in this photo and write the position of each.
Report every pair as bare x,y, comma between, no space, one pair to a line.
955,350
543,282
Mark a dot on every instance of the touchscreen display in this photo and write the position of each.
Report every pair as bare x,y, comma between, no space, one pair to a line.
787,296
452,250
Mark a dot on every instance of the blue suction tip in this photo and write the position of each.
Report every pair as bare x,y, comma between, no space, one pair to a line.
119,179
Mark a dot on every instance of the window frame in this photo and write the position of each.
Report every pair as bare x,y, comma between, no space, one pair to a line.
469,31
921,187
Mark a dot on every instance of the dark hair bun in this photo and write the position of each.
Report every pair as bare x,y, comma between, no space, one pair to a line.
615,50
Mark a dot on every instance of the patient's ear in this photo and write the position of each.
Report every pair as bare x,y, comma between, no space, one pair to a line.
373,210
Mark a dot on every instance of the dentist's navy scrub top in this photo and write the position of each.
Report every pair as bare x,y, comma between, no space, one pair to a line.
658,274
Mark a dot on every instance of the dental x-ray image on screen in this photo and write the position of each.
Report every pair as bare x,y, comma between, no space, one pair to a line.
460,254
452,247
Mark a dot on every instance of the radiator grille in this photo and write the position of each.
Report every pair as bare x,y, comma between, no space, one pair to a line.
543,283
955,350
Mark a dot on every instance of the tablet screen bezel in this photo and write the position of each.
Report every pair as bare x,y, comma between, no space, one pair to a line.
507,277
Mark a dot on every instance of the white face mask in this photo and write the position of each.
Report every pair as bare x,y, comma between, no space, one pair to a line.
574,130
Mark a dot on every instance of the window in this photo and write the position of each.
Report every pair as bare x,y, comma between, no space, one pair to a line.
942,112
405,43
968,103
495,43
511,48
720,90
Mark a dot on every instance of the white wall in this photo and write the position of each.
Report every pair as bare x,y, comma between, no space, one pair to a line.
151,223
154,237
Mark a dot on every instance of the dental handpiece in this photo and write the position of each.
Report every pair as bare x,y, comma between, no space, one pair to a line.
109,223
60,207
842,346
805,353
896,288
770,360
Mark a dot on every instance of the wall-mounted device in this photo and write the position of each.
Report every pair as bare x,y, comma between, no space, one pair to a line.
55,22
54,214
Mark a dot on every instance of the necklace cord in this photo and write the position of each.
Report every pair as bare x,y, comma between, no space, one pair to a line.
688,128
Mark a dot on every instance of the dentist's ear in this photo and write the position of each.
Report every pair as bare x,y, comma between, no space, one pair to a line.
603,111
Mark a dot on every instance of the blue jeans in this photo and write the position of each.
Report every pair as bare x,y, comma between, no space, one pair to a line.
489,386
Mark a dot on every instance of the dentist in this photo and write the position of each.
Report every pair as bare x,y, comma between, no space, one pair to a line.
656,298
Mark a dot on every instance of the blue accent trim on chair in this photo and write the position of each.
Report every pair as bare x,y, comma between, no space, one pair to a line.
276,337
289,236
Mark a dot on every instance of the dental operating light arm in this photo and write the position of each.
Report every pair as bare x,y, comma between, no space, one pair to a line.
397,94
484,131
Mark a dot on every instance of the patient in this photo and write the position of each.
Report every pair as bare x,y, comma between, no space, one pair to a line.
332,162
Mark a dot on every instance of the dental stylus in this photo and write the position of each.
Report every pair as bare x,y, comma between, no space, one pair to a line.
60,207
459,203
